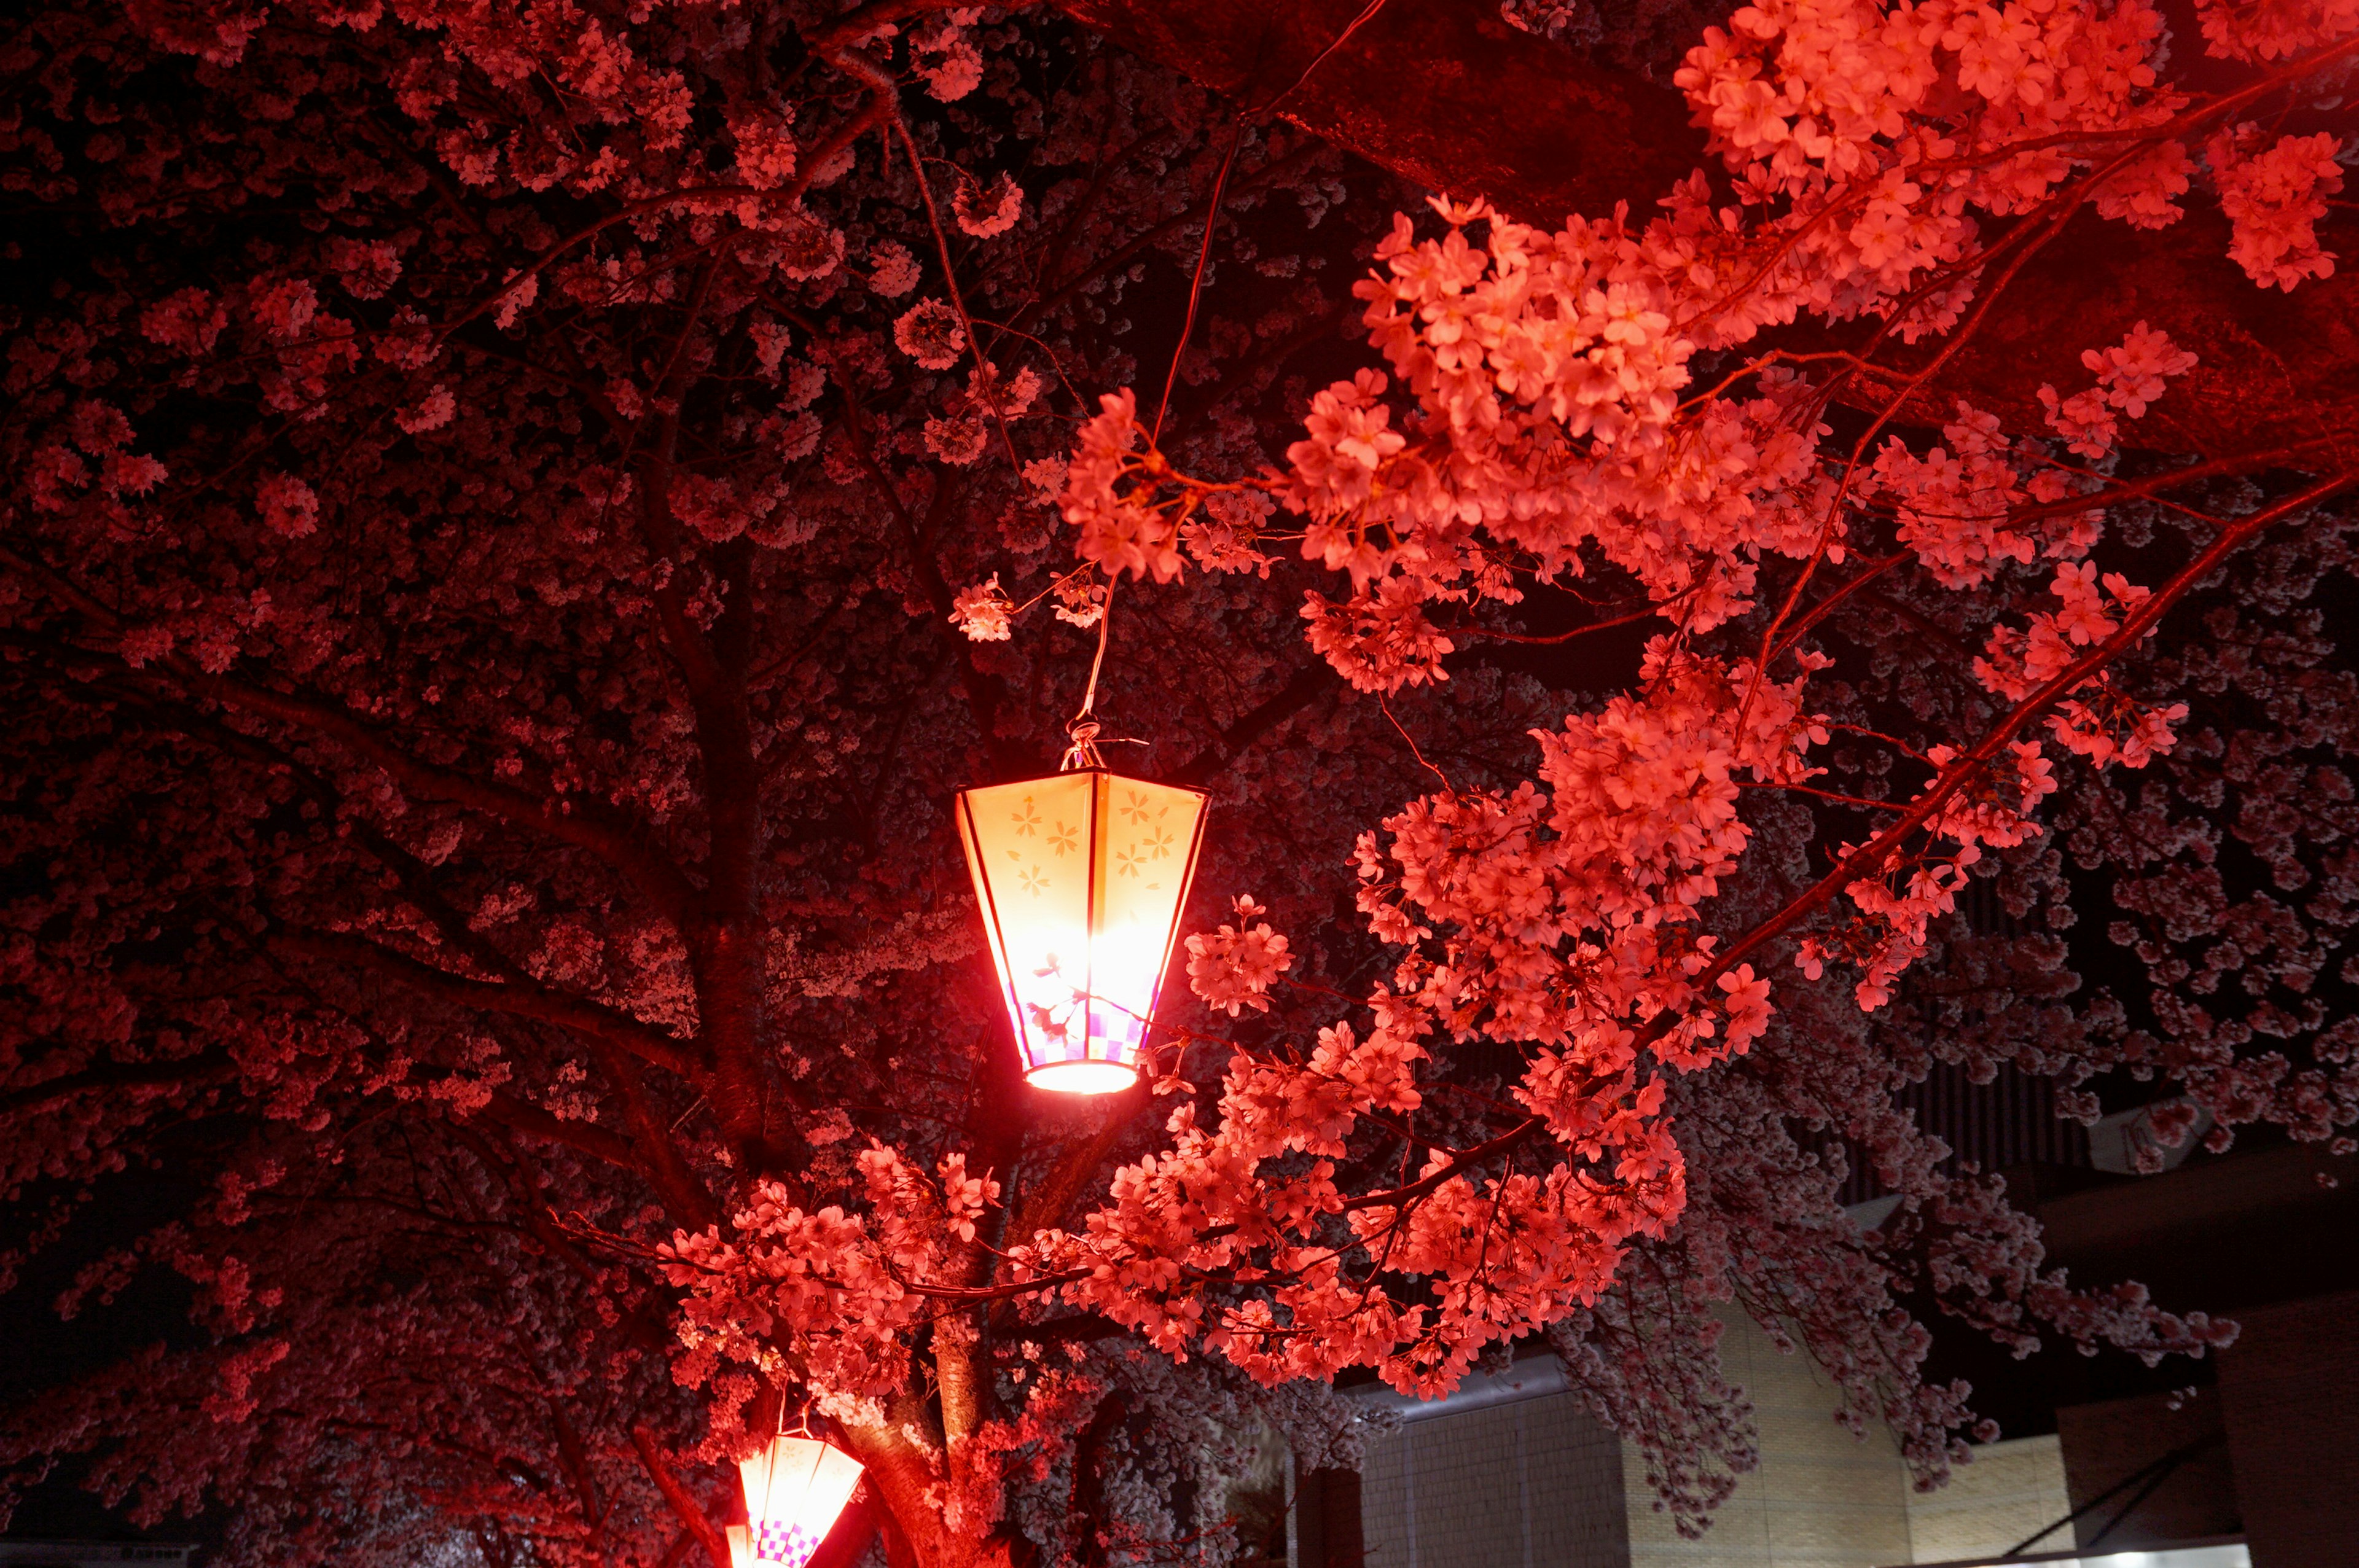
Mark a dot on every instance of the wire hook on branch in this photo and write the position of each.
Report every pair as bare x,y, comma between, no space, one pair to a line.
1084,733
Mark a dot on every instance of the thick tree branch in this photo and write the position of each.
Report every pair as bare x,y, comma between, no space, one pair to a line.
904,1475
691,1206
49,1093
644,1040
584,821
683,1505
579,820
584,1137
723,929
1308,685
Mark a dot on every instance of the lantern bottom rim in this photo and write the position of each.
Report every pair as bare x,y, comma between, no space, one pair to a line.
1084,1078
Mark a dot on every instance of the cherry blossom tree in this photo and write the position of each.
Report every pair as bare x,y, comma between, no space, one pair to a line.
519,520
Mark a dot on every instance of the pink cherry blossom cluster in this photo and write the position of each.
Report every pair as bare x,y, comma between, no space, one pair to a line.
947,58
2274,30
1234,968
1880,126
1623,872
832,1289
982,612
1869,134
2098,720
1116,530
2129,376
929,333
1573,910
1255,1198
987,213
1544,421
2275,198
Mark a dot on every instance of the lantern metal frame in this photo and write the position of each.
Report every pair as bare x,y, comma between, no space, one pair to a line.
1046,1074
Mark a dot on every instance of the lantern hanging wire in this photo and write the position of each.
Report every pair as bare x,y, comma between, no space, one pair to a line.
1084,730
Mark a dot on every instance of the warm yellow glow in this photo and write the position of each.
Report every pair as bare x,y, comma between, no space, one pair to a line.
1081,877
794,1489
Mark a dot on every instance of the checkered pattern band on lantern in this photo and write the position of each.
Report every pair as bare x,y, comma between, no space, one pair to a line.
784,1544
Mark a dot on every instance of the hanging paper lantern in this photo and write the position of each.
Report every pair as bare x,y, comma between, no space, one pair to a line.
794,1489
1081,877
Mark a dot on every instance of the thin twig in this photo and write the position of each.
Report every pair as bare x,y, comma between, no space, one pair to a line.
887,95
1196,284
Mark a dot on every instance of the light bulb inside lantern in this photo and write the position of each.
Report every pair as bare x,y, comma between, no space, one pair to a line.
1082,878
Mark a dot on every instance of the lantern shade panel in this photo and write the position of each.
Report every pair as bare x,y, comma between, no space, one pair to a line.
1081,877
794,1490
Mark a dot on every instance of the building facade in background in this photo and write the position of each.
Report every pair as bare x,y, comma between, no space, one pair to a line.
1514,1472
2250,1461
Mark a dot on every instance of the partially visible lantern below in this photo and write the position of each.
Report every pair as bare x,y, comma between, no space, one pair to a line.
794,1489
1081,877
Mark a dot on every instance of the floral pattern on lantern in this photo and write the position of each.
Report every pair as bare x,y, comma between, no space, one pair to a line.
1081,877
794,1490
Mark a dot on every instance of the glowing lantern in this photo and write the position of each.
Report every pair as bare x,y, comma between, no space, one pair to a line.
794,1489
1081,877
